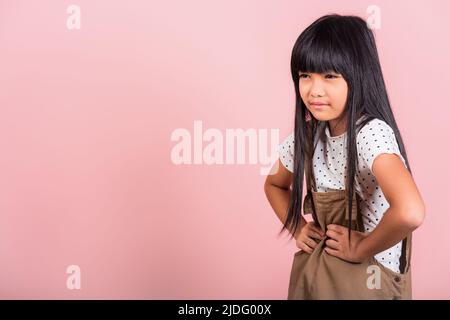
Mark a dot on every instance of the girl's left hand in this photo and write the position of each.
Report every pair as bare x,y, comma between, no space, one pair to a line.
339,246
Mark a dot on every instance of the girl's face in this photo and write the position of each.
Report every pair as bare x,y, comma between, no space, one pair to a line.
324,94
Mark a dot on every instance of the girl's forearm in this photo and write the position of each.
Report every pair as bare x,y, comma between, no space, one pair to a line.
392,229
279,200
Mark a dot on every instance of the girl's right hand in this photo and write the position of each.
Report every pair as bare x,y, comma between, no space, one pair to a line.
306,238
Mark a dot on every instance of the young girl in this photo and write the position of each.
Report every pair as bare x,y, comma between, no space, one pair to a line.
360,190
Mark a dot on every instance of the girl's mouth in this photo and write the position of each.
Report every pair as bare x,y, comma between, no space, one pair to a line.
318,106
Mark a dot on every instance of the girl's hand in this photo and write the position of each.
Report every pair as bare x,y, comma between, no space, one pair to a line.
308,233
339,246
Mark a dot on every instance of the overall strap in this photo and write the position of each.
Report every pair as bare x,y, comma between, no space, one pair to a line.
405,258
309,173
308,204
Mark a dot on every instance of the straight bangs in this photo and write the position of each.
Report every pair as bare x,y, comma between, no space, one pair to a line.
320,51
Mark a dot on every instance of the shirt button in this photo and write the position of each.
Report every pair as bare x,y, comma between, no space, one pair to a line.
397,279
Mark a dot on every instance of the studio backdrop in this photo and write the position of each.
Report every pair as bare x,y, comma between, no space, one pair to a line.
136,136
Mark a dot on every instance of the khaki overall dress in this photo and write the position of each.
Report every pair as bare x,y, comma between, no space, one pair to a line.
322,276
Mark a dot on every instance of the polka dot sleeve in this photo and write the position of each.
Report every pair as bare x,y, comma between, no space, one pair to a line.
286,152
376,138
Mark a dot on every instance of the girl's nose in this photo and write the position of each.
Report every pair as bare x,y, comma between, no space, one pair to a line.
317,90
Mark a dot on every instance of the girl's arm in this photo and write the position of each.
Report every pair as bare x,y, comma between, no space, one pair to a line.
277,189
406,212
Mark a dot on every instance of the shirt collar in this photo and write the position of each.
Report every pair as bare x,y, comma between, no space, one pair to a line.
342,136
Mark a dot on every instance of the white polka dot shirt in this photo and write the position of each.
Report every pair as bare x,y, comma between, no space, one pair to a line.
329,166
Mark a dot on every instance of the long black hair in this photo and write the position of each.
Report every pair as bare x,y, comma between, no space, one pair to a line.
345,45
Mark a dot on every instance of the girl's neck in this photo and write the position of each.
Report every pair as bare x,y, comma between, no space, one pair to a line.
337,127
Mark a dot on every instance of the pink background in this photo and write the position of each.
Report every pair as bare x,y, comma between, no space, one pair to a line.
86,117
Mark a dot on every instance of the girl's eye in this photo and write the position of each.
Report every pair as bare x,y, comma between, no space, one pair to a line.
303,75
330,76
